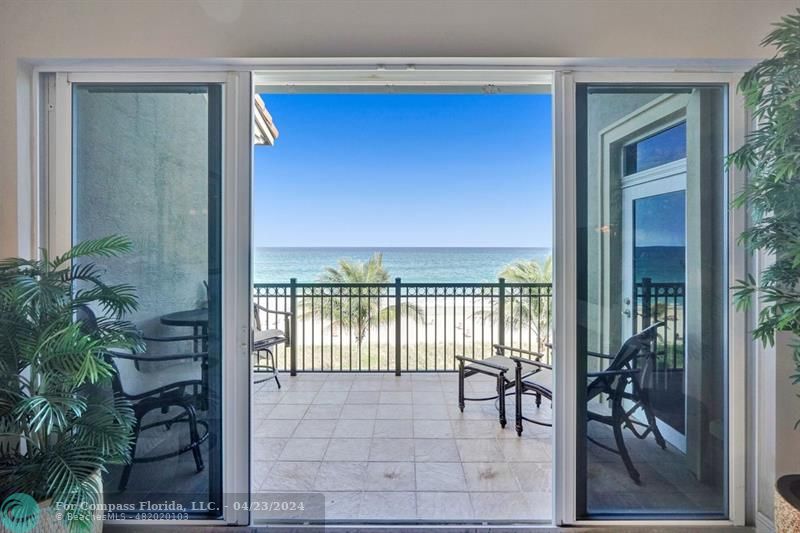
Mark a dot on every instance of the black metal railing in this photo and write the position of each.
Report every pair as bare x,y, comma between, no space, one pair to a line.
400,327
662,302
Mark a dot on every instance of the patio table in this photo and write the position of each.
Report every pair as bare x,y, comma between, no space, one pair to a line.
197,319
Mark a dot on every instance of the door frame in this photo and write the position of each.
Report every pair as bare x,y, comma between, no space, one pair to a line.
565,303
664,181
33,177
56,226
661,113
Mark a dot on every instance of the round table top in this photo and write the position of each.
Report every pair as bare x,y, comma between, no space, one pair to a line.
191,317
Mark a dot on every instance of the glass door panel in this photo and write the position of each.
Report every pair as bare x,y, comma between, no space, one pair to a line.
147,165
659,276
652,302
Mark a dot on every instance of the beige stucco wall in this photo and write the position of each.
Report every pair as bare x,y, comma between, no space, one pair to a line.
31,29
149,182
141,170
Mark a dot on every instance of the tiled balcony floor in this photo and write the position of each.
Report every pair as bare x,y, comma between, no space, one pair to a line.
398,448
386,448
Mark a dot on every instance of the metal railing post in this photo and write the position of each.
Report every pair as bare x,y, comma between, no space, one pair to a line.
397,312
501,312
647,289
293,337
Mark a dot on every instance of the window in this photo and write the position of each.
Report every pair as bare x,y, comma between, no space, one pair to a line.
663,147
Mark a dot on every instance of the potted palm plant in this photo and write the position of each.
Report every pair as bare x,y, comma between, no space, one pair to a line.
771,157
60,425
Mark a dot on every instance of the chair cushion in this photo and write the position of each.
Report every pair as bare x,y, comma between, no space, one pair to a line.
268,337
542,379
504,362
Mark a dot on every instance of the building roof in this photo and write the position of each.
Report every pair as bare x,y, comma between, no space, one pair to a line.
264,131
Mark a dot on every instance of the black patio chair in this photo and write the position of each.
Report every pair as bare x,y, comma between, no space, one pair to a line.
264,342
497,367
160,393
625,382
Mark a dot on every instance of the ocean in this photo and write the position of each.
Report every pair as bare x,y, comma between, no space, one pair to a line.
442,265
434,265
662,264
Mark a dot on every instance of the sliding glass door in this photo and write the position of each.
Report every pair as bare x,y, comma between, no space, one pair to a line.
146,165
151,157
652,301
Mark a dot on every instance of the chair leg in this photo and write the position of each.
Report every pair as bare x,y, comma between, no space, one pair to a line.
651,419
461,386
271,357
618,421
126,471
194,435
518,390
501,395
538,399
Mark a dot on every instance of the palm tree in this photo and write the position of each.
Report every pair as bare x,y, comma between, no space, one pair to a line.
357,309
529,303
529,271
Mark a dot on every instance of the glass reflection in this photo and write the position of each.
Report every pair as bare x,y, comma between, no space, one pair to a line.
653,426
147,166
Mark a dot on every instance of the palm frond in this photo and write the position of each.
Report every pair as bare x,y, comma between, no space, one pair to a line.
111,246
771,158
106,426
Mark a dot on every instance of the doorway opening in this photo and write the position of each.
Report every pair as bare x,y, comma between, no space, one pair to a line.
401,247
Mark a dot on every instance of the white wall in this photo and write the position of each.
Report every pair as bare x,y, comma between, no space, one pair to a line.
35,29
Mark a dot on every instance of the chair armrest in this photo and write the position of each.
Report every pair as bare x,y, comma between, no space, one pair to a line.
145,358
500,348
622,372
493,366
273,311
177,338
522,361
600,355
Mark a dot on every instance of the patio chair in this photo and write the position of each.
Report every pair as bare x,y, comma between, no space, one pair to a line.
626,384
497,367
264,341
159,392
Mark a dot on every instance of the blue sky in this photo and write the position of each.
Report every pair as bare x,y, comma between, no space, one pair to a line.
385,170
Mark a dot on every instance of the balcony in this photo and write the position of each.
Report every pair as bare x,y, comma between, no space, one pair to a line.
374,425
383,447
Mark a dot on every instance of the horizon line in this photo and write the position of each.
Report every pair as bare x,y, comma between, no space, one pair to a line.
393,247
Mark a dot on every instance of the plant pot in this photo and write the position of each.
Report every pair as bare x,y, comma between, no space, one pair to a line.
50,518
787,503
